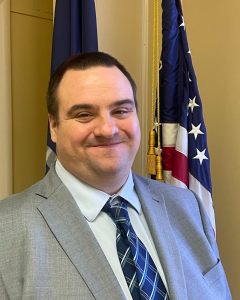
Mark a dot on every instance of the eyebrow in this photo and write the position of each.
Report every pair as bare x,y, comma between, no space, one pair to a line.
90,106
121,102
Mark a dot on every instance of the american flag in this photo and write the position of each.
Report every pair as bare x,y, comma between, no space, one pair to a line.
184,140
75,31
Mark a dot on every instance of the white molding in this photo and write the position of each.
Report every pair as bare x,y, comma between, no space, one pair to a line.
144,102
5,101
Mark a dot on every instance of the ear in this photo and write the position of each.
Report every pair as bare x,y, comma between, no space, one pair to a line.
53,128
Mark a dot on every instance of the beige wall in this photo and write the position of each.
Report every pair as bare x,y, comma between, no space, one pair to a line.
31,34
213,29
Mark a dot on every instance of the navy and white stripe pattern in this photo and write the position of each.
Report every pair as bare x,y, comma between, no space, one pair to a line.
142,277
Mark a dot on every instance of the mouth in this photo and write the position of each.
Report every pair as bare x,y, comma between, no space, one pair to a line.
107,145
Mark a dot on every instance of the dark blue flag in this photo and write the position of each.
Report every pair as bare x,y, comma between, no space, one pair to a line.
184,139
75,31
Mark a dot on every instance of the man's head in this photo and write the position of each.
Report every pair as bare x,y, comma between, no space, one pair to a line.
83,62
96,129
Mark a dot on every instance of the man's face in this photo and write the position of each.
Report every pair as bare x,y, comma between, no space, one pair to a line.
98,132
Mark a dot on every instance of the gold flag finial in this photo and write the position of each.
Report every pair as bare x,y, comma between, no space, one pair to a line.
159,175
151,157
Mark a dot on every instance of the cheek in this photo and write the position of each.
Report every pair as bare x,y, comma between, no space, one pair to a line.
136,130
133,131
137,137
77,135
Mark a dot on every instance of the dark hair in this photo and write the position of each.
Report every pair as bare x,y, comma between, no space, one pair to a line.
82,61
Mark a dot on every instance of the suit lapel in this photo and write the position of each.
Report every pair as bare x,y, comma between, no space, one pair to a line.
156,215
70,228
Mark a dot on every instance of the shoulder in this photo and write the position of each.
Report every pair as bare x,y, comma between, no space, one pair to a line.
31,198
20,216
179,202
17,203
182,205
169,192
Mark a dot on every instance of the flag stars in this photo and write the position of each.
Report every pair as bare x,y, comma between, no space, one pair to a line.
190,80
192,103
183,24
196,131
200,155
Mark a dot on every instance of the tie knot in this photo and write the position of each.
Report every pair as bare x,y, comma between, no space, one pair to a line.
118,212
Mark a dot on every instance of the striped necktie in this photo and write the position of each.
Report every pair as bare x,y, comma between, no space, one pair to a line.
140,272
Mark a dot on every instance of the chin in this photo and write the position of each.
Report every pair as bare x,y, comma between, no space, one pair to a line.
107,171
110,170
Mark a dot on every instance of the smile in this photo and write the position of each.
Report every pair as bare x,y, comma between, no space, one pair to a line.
107,145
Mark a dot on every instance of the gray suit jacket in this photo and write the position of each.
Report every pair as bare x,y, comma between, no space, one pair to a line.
48,251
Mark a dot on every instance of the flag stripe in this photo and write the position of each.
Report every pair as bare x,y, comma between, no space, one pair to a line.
179,183
182,141
180,167
204,195
169,134
168,157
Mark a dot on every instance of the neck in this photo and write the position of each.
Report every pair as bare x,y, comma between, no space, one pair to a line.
108,183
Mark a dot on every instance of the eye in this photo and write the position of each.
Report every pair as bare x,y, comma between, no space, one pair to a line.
121,112
84,117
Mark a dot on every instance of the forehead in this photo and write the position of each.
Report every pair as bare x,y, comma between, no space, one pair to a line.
95,82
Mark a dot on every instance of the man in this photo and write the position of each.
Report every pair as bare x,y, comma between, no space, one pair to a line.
58,238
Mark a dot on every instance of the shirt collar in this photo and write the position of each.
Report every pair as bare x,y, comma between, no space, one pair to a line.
91,200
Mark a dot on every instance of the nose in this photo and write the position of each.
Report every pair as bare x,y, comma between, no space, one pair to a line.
106,127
